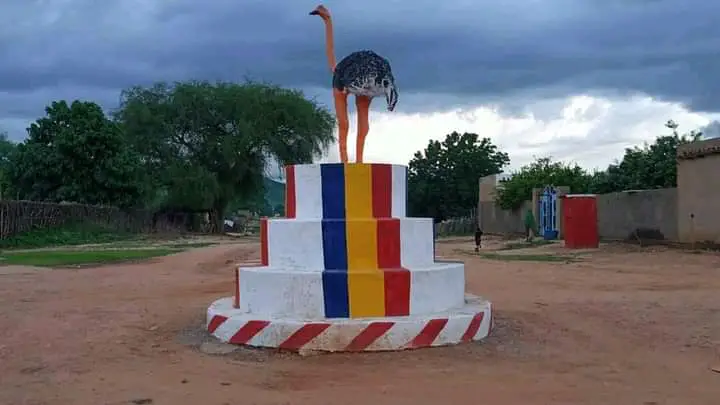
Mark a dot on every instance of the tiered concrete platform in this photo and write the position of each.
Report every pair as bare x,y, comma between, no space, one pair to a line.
347,270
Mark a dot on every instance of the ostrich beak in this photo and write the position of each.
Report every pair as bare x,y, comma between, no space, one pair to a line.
314,12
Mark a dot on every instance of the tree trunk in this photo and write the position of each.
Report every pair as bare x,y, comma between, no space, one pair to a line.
217,220
217,225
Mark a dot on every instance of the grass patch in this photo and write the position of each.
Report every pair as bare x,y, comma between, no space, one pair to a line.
530,258
525,245
60,258
66,235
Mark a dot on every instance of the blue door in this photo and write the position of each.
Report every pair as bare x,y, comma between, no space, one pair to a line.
547,222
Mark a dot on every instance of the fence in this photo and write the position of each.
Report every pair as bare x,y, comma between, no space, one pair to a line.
495,220
22,216
621,214
455,227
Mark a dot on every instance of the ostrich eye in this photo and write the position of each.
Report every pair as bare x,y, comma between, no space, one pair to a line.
385,83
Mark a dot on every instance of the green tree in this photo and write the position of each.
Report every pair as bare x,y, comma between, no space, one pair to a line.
540,173
7,151
443,179
75,153
257,204
218,138
648,167
7,147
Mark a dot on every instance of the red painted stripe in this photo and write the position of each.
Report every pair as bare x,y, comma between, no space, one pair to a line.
236,302
396,278
368,336
388,243
290,197
382,190
473,328
248,331
429,333
264,241
303,335
215,322
397,292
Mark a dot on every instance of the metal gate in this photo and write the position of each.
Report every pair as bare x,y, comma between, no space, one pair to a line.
547,223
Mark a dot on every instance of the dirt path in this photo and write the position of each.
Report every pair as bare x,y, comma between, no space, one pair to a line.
616,328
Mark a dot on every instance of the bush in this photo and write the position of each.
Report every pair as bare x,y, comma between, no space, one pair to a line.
65,235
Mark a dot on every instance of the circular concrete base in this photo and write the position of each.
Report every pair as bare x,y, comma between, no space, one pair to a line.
472,321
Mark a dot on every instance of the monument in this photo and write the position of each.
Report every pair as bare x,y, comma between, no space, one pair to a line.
347,270
364,74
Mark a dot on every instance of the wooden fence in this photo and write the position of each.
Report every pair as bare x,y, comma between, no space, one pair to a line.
22,216
456,227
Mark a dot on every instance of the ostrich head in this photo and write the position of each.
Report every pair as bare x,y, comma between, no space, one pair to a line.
391,94
323,12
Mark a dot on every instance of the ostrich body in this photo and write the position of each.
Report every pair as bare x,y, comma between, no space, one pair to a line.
364,74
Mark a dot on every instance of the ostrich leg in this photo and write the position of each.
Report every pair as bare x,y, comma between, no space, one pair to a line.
343,124
362,103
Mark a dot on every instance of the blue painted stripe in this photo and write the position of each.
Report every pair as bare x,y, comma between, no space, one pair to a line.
334,244
332,176
335,278
336,296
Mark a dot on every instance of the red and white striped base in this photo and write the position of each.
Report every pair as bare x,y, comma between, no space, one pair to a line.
471,322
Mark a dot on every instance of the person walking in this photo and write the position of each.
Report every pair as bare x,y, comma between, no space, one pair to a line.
530,225
478,238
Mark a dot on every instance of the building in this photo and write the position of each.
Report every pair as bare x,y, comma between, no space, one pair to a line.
698,185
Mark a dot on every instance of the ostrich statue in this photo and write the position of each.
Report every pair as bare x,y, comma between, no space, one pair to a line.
364,74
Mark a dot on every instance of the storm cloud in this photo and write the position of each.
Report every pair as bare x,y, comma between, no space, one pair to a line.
444,53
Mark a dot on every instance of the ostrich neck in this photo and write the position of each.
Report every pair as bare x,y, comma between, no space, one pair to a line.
329,43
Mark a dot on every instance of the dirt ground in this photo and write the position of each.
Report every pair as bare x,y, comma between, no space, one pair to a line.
620,326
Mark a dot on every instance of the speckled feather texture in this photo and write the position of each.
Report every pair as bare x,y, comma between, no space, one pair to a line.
366,73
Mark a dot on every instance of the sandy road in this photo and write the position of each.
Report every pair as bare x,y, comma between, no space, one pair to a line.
616,328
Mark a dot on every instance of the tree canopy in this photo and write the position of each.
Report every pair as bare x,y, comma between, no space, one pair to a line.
75,153
443,179
648,167
206,144
540,173
7,151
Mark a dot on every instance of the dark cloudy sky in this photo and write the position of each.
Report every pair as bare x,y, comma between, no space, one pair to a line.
577,79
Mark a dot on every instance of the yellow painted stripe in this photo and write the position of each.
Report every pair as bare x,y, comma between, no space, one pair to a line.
366,284
367,294
360,228
358,191
361,244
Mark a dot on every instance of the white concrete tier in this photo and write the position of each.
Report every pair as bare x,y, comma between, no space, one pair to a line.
305,185
273,292
470,322
301,244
